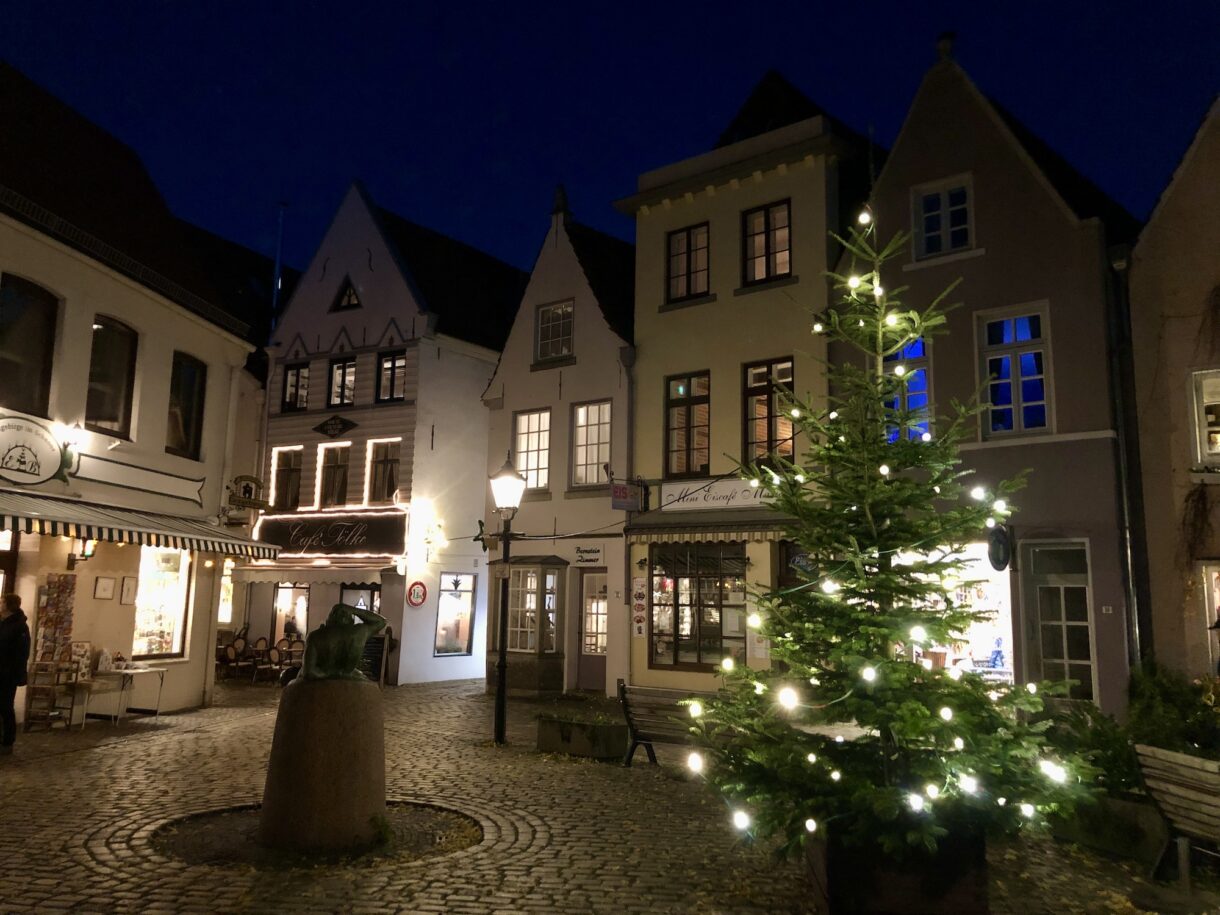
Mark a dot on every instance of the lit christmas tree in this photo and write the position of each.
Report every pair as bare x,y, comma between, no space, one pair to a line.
881,512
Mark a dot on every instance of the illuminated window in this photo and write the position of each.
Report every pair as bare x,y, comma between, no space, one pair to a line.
112,377
590,443
296,388
342,390
942,218
910,405
1016,354
554,331
224,612
27,342
1207,416
333,489
596,617
287,470
454,615
383,471
533,448
687,419
766,243
698,604
533,609
347,297
688,263
291,611
161,600
767,426
187,383
391,377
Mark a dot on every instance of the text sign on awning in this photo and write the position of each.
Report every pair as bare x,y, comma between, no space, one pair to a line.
337,534
699,495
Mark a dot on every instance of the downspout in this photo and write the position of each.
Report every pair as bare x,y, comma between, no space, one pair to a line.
626,355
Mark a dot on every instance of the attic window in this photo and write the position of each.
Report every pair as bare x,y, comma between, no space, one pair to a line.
346,298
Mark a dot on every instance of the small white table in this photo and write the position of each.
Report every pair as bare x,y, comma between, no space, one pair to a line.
127,680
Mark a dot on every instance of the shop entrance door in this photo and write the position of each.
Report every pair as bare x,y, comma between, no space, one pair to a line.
594,624
291,612
362,597
1059,616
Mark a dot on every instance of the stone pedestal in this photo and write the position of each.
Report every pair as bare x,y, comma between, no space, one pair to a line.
326,779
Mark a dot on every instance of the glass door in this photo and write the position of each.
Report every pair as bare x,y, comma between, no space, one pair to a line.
594,625
291,612
1059,619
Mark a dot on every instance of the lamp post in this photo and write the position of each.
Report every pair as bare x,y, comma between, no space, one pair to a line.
507,487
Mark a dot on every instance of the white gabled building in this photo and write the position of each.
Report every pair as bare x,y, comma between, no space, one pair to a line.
560,404
376,439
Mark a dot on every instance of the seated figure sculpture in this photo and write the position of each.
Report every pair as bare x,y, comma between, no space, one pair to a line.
333,650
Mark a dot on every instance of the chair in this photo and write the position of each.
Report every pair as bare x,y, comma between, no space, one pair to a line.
296,651
282,645
259,648
235,660
273,663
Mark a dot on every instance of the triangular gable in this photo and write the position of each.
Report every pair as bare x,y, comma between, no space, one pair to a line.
297,348
1210,117
338,342
393,335
347,298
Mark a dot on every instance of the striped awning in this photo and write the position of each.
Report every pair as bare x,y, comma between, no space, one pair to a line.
30,514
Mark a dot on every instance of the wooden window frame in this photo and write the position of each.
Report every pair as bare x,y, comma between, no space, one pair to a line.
572,463
689,272
709,666
330,381
516,451
301,404
1014,351
395,374
689,401
570,336
772,391
129,380
769,248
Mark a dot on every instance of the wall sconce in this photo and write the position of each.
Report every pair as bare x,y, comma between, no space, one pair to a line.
641,563
82,551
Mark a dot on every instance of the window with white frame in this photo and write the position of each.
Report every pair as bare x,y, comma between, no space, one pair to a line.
286,478
342,382
161,603
554,331
910,405
532,448
941,217
332,485
590,443
1207,415
1016,361
454,614
595,624
533,609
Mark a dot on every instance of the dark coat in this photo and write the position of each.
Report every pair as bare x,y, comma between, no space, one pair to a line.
14,648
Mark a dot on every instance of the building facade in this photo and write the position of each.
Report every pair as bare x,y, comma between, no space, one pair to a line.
376,441
560,405
732,250
985,201
1174,283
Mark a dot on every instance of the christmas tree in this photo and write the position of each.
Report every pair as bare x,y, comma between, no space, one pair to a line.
880,511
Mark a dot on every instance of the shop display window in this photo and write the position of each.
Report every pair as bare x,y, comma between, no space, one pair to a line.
533,609
161,603
698,604
224,613
454,615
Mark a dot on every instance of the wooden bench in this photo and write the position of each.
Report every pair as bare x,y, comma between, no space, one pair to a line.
653,716
1187,791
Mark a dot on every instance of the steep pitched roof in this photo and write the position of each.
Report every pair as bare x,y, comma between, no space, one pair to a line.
473,294
609,266
773,103
67,177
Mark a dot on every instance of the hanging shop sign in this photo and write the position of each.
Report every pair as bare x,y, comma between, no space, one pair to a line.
30,453
334,426
589,555
417,593
247,492
336,534
704,495
999,547
625,497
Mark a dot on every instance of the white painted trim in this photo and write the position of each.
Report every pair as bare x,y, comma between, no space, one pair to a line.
944,259
275,459
368,461
1042,307
1035,438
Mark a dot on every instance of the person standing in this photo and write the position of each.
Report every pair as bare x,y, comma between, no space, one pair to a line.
14,655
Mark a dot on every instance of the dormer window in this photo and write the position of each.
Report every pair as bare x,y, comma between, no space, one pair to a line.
347,298
554,331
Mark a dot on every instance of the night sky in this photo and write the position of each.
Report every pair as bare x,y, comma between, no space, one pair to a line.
464,116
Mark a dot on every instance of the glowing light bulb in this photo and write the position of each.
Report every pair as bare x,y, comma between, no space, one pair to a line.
811,825
926,663
884,470
836,775
696,709
817,327
800,478
878,291
795,413
1032,688
1001,801
900,370
812,757
959,744
946,713
834,414
727,664
1027,810
788,698
891,319
754,483
814,681
829,586
918,633
864,218
842,438
860,322
993,696
1053,771
838,738
927,437
759,687
936,489
990,522
968,783
915,802
978,494
1000,505
853,282
694,762
869,674
753,620
955,673
741,819
932,791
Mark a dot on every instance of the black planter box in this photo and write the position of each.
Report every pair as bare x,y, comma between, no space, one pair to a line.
594,740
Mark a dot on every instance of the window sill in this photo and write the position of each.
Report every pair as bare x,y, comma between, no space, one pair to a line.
1210,477
944,259
537,495
687,303
543,365
119,437
593,492
776,283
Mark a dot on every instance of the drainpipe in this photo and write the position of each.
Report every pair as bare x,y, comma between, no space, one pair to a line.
626,355
1130,492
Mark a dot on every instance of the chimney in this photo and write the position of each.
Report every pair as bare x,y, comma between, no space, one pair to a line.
944,45
559,210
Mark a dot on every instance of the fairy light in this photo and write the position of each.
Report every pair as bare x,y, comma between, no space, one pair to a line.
694,762
1000,505
838,738
927,437
853,282
900,370
814,681
864,218
978,494
812,757
993,696
741,819
811,825
935,489
990,522
829,586
836,775
754,483
834,414
1001,801
1053,771
753,620
1032,688
891,319
869,674
915,802
788,698
968,783
800,478
759,687
795,413
918,633
933,791
946,713
696,709
884,470
818,327
959,744
878,291
727,665
1027,810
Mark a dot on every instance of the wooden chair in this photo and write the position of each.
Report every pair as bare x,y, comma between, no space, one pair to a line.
235,660
272,663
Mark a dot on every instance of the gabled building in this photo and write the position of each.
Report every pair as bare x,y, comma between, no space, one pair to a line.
1174,282
732,248
986,201
560,405
377,441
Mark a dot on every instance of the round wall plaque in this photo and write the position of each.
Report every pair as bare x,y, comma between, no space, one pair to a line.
417,593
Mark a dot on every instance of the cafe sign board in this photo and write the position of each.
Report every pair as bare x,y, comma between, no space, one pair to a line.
30,453
708,495
336,533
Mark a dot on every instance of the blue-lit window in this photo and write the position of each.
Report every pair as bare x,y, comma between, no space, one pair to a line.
912,406
1015,356
942,219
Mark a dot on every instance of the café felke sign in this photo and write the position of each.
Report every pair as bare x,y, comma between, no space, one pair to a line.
362,534
709,495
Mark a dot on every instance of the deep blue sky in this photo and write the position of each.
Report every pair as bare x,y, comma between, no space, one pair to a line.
464,116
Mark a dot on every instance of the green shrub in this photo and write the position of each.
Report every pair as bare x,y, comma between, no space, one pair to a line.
1087,730
1166,710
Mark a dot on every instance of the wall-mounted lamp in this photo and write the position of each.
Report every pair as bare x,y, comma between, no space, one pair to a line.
82,551
641,563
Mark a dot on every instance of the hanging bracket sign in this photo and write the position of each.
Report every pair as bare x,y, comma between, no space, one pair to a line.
30,453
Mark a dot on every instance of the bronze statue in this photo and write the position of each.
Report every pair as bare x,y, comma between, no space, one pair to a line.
333,650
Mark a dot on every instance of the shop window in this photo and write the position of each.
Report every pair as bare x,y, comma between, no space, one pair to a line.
1015,355
332,482
554,331
112,377
590,443
296,388
533,448
687,425
286,478
767,427
291,611
161,603
391,377
342,390
766,243
687,251
910,406
382,471
595,613
224,611
27,341
942,218
698,604
188,380
533,609
454,615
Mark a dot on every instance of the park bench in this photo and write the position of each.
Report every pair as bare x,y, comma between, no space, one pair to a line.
653,716
1187,791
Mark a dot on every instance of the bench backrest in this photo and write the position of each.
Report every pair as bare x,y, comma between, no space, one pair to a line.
1186,788
654,714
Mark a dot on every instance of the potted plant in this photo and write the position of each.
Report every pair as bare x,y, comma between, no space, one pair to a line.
892,815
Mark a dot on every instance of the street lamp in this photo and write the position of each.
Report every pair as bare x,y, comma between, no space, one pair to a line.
507,487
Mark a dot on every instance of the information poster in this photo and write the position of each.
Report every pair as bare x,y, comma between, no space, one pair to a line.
639,607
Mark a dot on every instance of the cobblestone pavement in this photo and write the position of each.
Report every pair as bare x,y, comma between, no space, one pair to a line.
560,835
